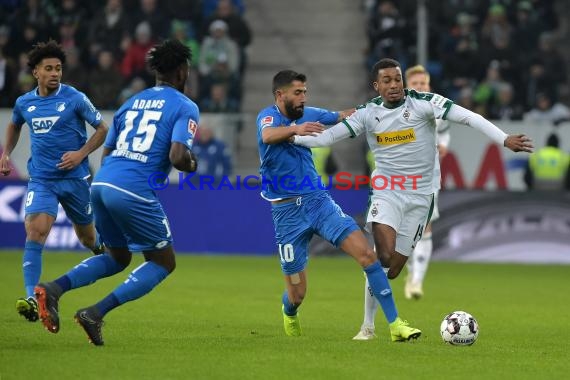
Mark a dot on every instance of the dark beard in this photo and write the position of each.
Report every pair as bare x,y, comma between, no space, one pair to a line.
293,113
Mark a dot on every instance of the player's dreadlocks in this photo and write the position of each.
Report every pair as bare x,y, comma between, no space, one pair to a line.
41,50
168,56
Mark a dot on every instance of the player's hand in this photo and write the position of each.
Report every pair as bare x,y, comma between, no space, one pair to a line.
309,128
5,168
69,160
519,143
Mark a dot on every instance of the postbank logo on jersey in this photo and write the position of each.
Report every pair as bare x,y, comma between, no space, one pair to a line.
395,138
43,124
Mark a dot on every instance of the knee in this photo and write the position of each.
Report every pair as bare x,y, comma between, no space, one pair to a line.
367,258
37,234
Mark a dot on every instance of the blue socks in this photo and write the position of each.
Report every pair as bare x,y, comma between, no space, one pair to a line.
32,265
288,308
382,290
141,281
89,271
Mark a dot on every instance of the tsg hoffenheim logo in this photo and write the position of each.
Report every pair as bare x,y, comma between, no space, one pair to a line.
43,124
60,106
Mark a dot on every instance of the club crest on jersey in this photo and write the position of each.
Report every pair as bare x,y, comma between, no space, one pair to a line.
192,127
43,124
267,121
406,114
60,106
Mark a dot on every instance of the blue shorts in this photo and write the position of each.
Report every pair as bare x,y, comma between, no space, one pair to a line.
125,219
44,195
297,221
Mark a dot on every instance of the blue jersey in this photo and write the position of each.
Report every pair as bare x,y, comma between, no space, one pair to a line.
57,126
287,170
141,134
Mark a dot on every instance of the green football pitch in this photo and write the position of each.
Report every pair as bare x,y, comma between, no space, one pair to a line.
219,317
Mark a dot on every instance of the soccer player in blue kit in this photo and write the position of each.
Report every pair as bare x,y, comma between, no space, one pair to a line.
58,167
302,208
151,132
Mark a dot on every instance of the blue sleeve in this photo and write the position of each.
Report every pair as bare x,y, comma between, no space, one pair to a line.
111,139
185,126
322,115
87,111
17,117
267,118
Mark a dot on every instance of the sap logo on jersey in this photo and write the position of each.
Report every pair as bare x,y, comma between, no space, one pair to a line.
43,124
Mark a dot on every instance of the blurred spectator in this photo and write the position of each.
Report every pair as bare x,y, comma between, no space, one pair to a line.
238,30
25,79
548,168
108,29
546,111
527,29
72,13
386,29
74,73
486,91
219,100
553,62
7,79
214,158
219,60
462,69
33,13
504,107
155,16
184,32
210,6
136,85
538,80
186,10
134,62
106,82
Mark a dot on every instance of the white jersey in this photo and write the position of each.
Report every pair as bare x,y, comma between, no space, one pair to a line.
403,139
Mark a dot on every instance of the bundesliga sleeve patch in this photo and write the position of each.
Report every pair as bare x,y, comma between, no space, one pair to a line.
267,121
438,101
192,127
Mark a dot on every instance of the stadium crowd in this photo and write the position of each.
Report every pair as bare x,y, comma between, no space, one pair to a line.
106,44
496,57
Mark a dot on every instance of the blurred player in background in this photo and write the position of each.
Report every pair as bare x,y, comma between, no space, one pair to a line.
302,208
418,78
153,131
401,132
58,166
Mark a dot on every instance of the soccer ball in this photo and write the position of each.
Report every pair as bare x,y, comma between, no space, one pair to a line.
459,328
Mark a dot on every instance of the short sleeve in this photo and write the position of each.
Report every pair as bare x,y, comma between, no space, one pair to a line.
185,126
17,117
87,111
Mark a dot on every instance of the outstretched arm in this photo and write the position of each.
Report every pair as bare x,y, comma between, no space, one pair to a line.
335,133
276,135
516,143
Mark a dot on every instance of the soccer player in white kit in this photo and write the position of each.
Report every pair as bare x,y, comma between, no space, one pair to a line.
418,78
401,132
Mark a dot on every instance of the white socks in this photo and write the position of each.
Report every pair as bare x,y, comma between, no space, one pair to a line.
420,259
370,306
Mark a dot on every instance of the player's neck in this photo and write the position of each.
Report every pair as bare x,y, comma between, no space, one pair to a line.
166,84
45,91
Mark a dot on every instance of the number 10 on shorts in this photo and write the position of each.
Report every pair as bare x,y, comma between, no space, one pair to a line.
286,253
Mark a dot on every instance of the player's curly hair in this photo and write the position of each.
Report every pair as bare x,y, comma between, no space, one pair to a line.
41,50
166,57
